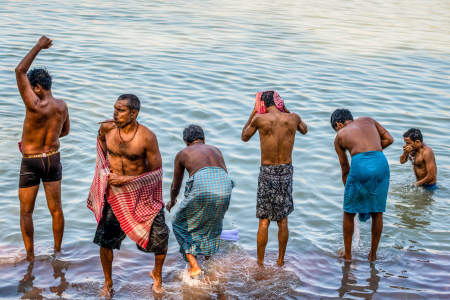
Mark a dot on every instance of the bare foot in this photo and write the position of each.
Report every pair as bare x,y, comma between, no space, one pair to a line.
280,262
260,264
107,290
372,257
346,257
157,283
195,272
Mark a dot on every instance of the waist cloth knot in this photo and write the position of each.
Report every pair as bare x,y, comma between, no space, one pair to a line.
367,184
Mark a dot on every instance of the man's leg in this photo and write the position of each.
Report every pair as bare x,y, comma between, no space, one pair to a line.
27,197
194,267
377,228
283,236
53,195
262,240
156,273
347,228
106,257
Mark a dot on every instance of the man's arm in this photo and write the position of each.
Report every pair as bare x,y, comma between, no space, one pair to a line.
249,129
301,126
26,92
178,174
343,160
105,127
386,138
66,126
152,152
405,155
430,163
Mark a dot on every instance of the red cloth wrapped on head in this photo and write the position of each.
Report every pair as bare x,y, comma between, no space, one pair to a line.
261,108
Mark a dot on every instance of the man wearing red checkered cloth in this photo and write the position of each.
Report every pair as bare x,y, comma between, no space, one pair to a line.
128,176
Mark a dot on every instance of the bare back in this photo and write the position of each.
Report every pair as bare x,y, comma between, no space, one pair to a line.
277,135
361,135
43,125
198,156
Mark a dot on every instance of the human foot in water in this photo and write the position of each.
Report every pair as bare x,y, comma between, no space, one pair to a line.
157,283
346,257
107,290
195,272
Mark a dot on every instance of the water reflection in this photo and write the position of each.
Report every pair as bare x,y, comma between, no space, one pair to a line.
29,291
413,207
349,283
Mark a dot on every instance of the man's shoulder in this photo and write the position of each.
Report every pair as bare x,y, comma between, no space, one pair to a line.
428,151
61,104
364,120
146,132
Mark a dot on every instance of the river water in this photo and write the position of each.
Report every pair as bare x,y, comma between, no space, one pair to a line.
202,62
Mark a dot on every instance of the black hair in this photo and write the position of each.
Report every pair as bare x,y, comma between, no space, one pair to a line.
192,133
340,115
133,101
40,76
267,97
414,134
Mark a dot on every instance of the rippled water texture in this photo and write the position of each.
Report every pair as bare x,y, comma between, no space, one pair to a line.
202,62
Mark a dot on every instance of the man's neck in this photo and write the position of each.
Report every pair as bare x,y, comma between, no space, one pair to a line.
130,127
272,109
196,142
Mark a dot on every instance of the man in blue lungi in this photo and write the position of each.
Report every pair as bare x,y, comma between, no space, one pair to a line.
198,222
367,180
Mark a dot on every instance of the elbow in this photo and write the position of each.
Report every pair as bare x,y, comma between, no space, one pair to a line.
19,69
305,131
390,140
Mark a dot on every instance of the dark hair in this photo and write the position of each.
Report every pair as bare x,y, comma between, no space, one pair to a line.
414,134
192,133
133,101
340,115
267,97
40,76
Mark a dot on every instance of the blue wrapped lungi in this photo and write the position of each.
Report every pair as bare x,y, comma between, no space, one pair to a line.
367,184
198,222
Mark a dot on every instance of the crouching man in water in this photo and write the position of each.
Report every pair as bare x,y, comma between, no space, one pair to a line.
126,193
46,120
422,158
198,222
277,128
367,180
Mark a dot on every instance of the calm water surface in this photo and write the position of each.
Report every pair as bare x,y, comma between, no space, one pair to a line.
202,62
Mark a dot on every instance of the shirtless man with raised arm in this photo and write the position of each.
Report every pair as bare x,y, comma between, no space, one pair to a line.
132,151
367,180
46,120
422,158
277,131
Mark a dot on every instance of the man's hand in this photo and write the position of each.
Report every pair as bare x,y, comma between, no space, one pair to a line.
115,179
44,42
170,205
105,127
407,149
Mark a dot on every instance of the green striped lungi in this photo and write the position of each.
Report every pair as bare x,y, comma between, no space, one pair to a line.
198,222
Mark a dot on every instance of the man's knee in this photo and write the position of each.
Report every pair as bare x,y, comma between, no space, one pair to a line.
264,223
56,212
282,223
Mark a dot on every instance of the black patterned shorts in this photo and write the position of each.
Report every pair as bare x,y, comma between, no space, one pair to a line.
274,199
110,235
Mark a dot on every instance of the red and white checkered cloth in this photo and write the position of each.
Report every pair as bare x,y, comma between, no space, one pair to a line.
135,203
